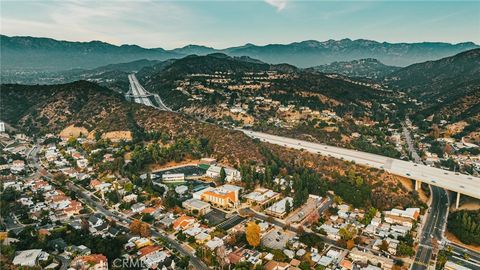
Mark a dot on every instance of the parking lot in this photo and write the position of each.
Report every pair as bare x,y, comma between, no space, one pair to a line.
277,238
231,222
188,170
306,209
215,217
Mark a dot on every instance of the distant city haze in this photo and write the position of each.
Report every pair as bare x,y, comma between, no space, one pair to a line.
218,24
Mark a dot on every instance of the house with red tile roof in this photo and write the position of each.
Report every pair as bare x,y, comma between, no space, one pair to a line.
90,262
184,222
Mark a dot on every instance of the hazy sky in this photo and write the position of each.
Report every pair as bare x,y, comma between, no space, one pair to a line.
220,24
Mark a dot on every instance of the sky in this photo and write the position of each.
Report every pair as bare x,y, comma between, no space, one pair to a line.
221,24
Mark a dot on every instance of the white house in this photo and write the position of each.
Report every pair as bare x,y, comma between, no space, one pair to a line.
138,207
214,171
17,166
29,257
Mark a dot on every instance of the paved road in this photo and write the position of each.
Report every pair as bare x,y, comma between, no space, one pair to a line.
432,230
83,193
139,93
465,184
196,262
457,256
410,145
142,96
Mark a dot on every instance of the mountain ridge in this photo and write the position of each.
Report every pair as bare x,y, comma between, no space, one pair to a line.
47,53
442,84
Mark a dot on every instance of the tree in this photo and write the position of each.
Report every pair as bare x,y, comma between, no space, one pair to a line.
98,136
253,234
145,230
350,244
223,175
221,255
135,226
183,262
384,245
348,232
148,218
404,250
181,236
288,206
304,265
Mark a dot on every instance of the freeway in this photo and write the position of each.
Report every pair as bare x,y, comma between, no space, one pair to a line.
142,96
139,93
464,184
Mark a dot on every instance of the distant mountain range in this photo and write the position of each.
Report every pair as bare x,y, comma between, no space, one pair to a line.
49,54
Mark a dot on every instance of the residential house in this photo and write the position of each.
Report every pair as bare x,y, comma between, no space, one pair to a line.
90,262
183,222
214,243
29,258
17,166
274,265
138,207
365,257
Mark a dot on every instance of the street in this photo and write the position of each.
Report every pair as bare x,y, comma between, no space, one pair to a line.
80,191
432,229
196,262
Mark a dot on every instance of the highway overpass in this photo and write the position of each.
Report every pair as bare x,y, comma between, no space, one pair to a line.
460,183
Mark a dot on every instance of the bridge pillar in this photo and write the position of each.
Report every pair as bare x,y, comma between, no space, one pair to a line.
418,184
457,203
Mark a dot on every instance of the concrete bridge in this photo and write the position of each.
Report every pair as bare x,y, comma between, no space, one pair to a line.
456,182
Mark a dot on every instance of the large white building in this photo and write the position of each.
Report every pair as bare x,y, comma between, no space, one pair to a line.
261,196
173,178
196,205
29,257
213,171
226,196
279,209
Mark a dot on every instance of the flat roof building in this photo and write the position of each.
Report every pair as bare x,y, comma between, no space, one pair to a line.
261,196
173,177
194,205
279,209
